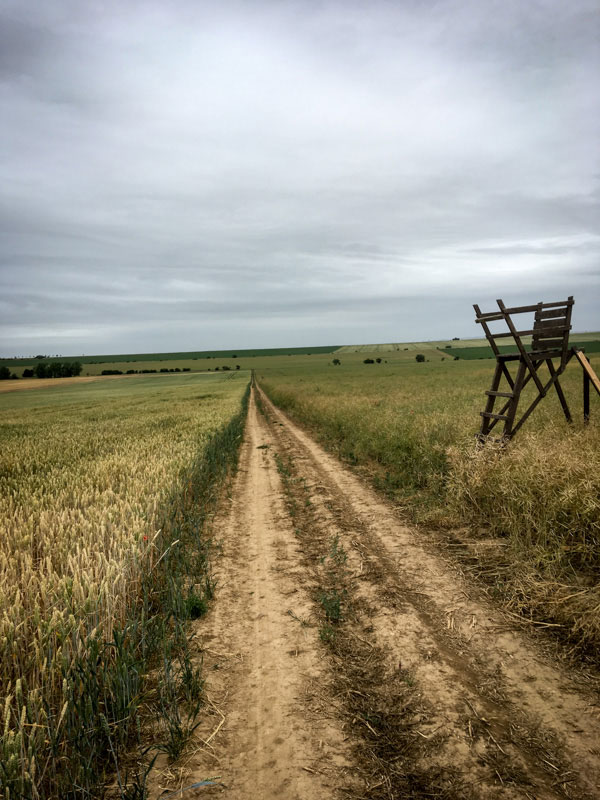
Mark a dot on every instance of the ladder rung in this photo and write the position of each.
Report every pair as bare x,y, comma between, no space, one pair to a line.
500,394
493,416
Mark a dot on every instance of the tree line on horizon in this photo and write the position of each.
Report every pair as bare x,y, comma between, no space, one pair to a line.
53,369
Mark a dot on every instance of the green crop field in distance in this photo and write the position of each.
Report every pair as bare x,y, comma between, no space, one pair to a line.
184,357
471,353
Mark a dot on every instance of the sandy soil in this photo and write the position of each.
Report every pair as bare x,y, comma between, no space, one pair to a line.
35,383
459,703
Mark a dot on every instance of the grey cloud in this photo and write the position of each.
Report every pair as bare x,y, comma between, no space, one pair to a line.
284,170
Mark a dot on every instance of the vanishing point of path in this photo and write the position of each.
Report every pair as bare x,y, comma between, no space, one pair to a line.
345,658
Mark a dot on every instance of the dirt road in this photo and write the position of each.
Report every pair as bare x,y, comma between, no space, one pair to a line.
344,657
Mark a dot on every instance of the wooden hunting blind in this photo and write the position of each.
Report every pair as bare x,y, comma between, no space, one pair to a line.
549,345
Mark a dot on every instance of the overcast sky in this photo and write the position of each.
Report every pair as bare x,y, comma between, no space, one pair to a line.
183,175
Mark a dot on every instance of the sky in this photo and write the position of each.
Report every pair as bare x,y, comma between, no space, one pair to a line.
190,175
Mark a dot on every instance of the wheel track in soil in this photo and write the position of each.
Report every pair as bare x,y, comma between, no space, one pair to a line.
488,715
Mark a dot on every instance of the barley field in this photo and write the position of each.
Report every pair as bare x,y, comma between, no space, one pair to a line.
410,427
94,481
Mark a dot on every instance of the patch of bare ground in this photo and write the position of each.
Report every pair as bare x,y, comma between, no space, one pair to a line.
440,695
45,383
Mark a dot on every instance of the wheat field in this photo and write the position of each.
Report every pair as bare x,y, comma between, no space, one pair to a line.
87,473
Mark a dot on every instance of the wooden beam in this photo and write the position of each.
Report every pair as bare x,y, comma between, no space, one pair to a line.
559,391
524,355
587,368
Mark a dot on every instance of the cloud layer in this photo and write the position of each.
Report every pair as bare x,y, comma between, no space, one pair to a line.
192,175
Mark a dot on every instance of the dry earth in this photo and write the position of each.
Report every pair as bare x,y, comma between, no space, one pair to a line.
346,658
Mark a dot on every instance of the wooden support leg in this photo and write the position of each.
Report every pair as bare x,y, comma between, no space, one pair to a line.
559,390
512,409
489,406
586,397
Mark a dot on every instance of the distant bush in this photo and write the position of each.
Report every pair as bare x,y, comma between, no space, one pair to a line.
420,357
336,362
225,368
378,360
131,372
4,373
28,373
186,369
164,369
237,366
57,369
111,372
368,361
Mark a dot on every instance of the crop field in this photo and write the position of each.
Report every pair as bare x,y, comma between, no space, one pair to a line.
149,360
588,345
97,480
410,428
391,347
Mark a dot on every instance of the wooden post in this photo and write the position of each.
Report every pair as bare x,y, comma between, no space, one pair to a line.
586,397
559,390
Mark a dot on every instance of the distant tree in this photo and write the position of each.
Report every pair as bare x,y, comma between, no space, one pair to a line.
186,369
378,360
456,358
41,370
234,356
28,373
368,361
420,357
237,366
4,373
225,368
336,362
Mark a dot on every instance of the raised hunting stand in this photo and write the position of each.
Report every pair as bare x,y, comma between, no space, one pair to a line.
550,341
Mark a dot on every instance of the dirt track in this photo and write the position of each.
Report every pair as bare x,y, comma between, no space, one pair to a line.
412,686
